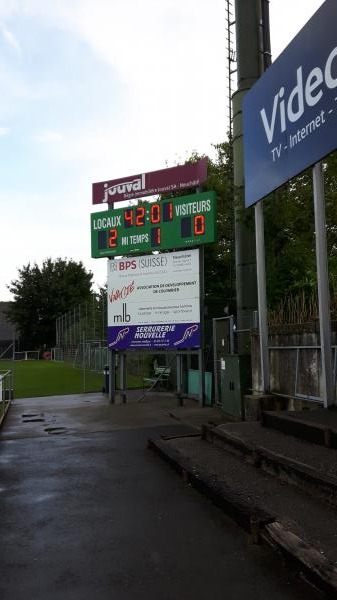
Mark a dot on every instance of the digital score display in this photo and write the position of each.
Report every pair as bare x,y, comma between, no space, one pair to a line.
177,223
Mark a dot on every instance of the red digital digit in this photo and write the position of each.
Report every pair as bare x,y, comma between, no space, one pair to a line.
155,237
199,225
140,216
155,213
113,238
168,211
128,218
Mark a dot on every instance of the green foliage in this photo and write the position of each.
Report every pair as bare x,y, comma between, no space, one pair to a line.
219,257
41,294
290,239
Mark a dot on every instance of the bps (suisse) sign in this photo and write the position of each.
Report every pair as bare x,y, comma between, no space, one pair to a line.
172,179
290,114
154,301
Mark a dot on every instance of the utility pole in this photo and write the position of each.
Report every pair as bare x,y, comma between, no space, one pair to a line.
248,18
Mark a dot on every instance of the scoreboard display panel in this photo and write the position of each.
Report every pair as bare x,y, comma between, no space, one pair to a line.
174,223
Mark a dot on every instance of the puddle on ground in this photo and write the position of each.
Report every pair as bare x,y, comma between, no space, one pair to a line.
55,430
33,418
30,415
42,497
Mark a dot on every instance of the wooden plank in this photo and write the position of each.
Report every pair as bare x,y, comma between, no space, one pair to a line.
319,570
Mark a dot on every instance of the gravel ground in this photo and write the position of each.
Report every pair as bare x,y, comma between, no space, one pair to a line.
307,517
320,458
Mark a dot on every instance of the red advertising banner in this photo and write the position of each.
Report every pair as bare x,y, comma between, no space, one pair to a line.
149,184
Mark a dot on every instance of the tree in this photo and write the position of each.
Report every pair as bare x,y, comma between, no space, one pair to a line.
290,236
43,294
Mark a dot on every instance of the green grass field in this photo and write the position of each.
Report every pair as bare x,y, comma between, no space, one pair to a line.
48,378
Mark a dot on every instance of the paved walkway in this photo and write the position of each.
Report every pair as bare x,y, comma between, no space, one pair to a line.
88,512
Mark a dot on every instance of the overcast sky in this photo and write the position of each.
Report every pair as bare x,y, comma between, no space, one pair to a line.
102,89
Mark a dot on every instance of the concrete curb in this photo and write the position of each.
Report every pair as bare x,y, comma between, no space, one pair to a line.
261,525
292,471
247,515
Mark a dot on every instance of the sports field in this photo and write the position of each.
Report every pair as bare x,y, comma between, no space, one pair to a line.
48,378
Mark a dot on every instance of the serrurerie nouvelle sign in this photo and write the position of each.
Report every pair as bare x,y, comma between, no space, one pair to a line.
290,114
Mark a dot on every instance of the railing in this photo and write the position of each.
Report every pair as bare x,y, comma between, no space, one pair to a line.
6,392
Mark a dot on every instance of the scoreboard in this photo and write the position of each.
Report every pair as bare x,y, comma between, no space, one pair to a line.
147,226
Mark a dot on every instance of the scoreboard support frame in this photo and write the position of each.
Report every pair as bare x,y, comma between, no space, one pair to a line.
180,361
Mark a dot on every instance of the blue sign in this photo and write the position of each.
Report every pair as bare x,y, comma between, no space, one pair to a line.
290,114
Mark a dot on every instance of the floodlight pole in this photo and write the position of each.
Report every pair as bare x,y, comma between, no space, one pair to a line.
323,286
248,45
254,56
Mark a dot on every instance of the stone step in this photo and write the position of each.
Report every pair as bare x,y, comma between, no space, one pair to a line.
299,526
280,515
315,426
311,468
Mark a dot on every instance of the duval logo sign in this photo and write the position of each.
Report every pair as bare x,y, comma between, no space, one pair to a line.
149,184
290,114
126,187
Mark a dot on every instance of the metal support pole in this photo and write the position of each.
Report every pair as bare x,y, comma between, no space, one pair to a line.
231,335
112,377
262,297
123,376
215,362
202,337
323,286
179,379
83,363
75,336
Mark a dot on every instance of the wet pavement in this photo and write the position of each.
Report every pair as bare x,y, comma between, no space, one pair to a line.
87,511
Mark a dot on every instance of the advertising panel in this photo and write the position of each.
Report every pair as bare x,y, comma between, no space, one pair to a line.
290,114
172,179
154,301
177,223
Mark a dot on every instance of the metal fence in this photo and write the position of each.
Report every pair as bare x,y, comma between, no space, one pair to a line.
6,392
93,354
296,371
88,319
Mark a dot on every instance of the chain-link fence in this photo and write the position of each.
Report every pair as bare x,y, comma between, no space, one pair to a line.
85,321
81,340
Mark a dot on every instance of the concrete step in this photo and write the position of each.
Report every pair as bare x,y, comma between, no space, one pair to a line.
298,525
317,426
311,468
